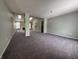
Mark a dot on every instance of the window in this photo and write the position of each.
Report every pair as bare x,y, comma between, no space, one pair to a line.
17,25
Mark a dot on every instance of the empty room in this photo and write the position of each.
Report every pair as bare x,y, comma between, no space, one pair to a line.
38,29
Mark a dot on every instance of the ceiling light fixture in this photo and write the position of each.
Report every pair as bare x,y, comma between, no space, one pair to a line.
50,11
19,16
30,18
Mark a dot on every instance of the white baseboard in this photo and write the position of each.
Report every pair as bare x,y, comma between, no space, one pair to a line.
7,45
0,57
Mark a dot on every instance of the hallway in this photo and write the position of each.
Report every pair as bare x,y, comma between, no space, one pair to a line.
41,46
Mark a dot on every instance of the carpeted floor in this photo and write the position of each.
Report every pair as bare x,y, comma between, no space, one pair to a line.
41,46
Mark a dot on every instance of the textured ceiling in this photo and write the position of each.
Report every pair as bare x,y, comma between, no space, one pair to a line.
42,8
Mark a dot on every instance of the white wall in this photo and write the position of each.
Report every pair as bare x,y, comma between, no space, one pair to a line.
6,27
64,25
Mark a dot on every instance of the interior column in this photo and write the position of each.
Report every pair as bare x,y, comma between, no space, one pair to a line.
27,27
45,25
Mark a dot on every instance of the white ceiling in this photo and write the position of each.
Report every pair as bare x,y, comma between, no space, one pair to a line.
42,8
